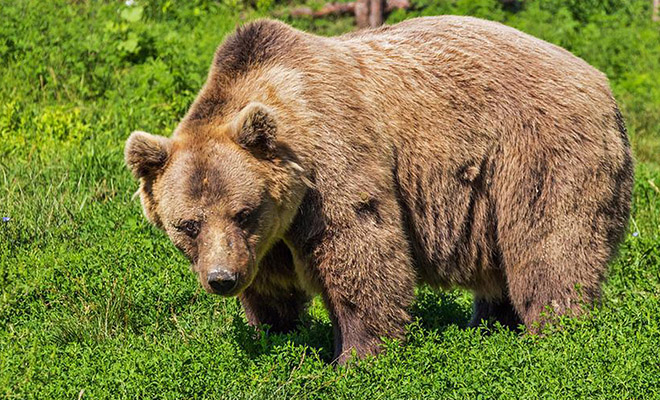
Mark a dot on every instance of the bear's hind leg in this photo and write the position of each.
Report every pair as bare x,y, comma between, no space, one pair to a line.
556,269
560,216
541,292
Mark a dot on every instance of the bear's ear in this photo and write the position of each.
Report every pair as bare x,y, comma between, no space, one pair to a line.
255,129
146,154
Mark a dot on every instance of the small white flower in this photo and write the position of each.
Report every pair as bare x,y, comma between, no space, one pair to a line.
129,2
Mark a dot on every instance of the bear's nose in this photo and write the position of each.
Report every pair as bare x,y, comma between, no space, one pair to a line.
221,280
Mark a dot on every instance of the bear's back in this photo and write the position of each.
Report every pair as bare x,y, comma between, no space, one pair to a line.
487,59
494,44
432,74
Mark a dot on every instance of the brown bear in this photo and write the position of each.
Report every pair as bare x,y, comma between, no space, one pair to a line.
450,151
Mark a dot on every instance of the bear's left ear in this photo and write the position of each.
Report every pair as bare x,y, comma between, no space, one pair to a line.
255,129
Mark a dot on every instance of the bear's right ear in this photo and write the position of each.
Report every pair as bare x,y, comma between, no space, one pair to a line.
146,154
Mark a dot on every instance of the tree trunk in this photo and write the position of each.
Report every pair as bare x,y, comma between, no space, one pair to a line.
368,13
362,13
376,13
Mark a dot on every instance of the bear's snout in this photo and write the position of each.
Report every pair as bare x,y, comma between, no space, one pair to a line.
222,281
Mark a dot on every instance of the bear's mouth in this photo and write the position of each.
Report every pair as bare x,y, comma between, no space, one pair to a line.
230,293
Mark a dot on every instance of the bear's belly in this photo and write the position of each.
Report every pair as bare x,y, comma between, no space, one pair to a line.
449,218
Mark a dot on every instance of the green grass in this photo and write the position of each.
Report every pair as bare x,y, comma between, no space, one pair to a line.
96,303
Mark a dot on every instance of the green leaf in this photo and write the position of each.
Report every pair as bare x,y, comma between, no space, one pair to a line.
133,14
129,45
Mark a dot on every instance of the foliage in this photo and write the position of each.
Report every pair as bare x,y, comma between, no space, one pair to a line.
94,302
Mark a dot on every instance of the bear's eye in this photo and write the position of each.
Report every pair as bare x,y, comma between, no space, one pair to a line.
189,227
243,216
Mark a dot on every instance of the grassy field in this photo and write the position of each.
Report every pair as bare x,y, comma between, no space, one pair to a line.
96,303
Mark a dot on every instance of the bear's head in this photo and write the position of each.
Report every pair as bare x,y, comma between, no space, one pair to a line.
223,194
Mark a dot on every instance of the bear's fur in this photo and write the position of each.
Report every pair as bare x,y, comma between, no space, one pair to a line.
446,150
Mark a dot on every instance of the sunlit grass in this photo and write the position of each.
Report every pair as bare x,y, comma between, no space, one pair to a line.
96,303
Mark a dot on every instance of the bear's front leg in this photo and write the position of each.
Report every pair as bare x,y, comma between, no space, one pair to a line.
368,286
281,311
275,298
366,277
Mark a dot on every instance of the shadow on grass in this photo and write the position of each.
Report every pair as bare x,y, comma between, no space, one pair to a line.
311,332
436,310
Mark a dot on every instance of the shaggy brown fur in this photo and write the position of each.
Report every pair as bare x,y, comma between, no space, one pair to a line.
446,150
